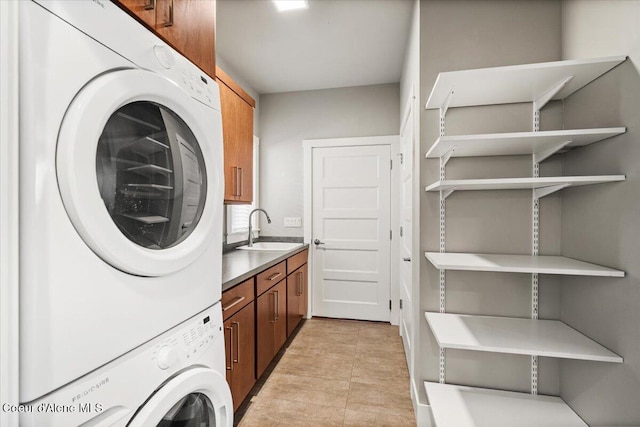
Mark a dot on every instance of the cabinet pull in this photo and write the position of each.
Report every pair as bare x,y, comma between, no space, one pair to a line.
274,276
236,176
230,367
151,5
240,183
276,305
237,359
300,288
235,302
169,23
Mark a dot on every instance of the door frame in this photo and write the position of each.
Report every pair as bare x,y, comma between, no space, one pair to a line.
393,141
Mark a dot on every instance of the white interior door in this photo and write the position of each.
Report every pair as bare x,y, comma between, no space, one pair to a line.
406,230
351,223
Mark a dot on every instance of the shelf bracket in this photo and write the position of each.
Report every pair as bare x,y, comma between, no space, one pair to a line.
444,159
539,103
545,154
446,193
539,193
443,111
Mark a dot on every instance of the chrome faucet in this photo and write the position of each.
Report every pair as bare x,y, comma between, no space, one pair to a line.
250,231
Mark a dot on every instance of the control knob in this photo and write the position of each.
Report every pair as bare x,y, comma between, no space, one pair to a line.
167,356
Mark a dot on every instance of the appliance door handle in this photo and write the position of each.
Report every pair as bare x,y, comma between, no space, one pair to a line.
230,367
237,359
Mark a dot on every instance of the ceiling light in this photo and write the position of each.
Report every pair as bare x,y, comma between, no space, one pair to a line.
285,5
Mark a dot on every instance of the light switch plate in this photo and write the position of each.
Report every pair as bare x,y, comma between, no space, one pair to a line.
292,222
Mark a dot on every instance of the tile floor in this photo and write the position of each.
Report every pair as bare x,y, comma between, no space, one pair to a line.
336,373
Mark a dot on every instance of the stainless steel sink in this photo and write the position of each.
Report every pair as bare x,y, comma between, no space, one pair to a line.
271,246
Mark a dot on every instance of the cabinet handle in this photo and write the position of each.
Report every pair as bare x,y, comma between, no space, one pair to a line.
299,293
151,5
236,188
274,276
169,23
235,302
230,367
240,183
276,305
237,359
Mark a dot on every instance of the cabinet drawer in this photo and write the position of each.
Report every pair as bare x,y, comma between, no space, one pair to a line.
270,277
236,298
294,262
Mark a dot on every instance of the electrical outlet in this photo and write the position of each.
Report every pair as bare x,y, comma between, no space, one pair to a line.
292,222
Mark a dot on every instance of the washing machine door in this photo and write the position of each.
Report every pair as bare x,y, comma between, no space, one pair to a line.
139,170
196,397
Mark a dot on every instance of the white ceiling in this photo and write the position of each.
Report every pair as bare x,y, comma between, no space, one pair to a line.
334,43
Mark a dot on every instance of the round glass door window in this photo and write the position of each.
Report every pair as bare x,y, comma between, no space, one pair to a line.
151,175
194,409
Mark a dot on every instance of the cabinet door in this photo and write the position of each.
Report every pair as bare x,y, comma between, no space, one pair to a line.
296,297
266,316
189,26
244,373
237,131
145,10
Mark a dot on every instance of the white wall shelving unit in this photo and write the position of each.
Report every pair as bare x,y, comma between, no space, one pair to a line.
541,264
461,406
549,338
456,406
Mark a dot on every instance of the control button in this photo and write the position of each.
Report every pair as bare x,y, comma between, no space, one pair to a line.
167,356
164,56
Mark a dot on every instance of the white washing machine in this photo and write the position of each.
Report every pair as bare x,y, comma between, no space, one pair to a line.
177,379
121,182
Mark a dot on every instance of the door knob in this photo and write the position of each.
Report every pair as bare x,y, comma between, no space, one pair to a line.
318,242
407,259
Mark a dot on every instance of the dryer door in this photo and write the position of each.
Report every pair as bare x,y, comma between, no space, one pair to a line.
198,397
138,172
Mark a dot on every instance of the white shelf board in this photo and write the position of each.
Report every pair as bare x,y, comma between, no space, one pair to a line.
518,143
460,406
548,338
541,264
520,183
516,83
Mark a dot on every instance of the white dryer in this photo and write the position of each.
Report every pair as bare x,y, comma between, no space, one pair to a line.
177,379
121,187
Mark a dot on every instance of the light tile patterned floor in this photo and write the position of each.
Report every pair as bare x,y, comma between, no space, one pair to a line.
337,373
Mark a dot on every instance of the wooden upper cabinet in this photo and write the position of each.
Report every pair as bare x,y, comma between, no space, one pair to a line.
187,25
237,130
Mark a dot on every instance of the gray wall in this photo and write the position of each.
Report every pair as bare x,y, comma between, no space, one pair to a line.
602,223
468,34
286,119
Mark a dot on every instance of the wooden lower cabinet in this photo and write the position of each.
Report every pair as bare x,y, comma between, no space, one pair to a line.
240,349
297,297
271,318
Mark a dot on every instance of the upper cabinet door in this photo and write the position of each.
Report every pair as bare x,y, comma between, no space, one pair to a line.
237,129
189,25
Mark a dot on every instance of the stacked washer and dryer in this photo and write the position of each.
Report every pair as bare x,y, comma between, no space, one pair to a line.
121,218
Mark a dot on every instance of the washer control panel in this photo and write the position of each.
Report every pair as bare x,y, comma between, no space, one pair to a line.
185,345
